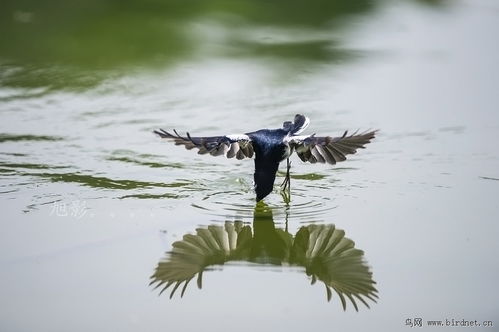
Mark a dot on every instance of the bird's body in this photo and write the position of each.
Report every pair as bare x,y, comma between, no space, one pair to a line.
271,146
270,150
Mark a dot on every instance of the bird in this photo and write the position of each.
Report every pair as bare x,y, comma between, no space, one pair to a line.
272,146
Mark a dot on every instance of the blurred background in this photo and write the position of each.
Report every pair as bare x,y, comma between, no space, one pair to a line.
92,202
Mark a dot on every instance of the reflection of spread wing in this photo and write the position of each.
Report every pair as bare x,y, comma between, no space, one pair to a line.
322,250
238,146
194,253
328,149
330,257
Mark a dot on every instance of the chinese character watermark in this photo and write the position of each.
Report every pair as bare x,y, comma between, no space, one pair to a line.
76,209
414,322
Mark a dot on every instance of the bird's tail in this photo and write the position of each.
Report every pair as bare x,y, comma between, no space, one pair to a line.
299,124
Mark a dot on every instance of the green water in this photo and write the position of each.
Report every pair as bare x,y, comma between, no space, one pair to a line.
102,221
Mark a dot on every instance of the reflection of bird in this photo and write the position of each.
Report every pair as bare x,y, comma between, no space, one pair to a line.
323,250
271,146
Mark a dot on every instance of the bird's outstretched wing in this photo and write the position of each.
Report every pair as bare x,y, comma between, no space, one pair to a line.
329,149
238,146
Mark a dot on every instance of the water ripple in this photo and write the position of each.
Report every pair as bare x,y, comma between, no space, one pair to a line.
300,208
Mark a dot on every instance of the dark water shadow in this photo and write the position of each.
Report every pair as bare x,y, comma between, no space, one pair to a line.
321,250
17,138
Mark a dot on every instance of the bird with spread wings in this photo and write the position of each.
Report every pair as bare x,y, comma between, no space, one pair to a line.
271,146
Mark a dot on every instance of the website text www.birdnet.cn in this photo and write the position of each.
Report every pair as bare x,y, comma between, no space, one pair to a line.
448,322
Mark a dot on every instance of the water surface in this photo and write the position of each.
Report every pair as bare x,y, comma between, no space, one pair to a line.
96,210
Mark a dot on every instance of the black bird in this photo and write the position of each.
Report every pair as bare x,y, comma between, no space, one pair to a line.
271,146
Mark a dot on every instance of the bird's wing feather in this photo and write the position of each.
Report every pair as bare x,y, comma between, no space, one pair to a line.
329,149
238,146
